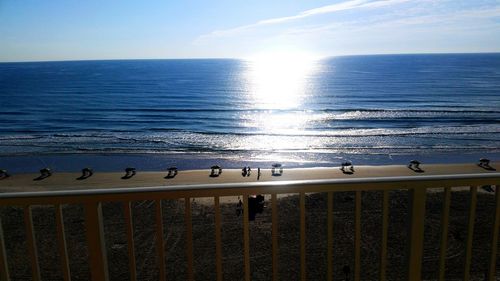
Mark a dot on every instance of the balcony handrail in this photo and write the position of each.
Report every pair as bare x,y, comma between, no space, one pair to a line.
92,199
400,180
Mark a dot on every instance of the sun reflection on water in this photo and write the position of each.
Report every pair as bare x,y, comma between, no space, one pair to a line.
279,81
278,86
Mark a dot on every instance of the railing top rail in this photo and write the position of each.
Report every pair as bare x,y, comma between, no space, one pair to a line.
275,184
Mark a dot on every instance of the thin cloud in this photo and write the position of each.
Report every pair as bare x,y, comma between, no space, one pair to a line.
342,6
449,17
446,18
317,11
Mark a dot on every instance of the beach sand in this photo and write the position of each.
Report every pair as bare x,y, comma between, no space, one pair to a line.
69,181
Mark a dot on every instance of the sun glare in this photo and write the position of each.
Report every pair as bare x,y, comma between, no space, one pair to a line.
278,85
279,80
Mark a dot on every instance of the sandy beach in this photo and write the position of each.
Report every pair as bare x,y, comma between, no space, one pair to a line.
70,181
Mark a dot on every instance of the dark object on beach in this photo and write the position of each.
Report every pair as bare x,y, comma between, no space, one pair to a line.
347,271
488,188
348,199
415,166
86,173
172,172
245,172
4,174
258,173
216,171
129,172
277,169
347,168
485,164
255,206
44,173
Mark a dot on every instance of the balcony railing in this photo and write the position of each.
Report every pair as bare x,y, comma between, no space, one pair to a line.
417,186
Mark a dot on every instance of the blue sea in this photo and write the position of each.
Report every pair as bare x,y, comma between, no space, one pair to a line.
192,113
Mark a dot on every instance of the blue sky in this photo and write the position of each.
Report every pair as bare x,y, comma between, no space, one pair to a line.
129,29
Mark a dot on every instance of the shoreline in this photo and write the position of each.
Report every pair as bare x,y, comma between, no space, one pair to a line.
192,161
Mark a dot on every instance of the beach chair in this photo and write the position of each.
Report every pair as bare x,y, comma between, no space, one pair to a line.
415,166
129,172
216,170
347,167
172,172
485,164
44,173
4,174
86,173
277,169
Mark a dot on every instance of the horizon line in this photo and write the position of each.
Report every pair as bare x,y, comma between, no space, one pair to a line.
241,58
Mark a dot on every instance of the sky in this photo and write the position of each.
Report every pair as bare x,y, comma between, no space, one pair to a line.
36,30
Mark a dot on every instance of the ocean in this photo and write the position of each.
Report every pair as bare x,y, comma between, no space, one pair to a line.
192,113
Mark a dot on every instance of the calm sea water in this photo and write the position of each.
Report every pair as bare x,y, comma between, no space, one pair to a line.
373,109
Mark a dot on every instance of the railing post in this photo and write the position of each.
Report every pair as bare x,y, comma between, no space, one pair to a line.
494,237
95,240
218,239
470,232
416,234
357,237
160,243
274,234
4,269
385,227
444,233
61,243
129,224
303,266
246,239
189,238
329,239
31,243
